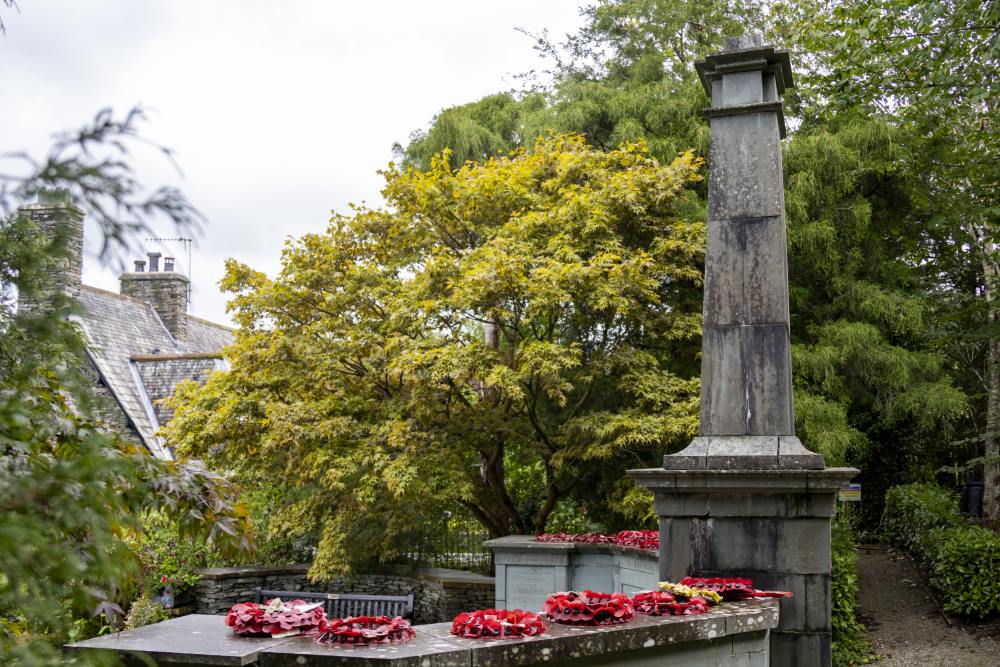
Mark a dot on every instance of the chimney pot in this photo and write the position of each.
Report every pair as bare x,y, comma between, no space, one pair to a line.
140,265
154,261
168,264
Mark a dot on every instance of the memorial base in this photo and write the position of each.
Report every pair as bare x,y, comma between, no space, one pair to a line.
772,526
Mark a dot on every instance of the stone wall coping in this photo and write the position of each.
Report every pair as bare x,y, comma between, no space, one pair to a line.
204,639
708,482
445,577
455,578
529,543
215,573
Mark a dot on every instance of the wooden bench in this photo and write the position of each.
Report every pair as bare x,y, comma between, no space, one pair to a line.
341,605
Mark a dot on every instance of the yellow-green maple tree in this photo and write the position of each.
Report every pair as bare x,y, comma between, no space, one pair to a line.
536,311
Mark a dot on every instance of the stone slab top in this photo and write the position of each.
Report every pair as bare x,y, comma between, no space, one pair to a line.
215,573
447,577
434,646
201,639
529,543
703,481
194,639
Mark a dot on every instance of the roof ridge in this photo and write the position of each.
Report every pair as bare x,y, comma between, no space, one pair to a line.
210,323
117,295
176,356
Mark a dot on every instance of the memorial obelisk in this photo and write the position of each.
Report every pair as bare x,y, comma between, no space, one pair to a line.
745,498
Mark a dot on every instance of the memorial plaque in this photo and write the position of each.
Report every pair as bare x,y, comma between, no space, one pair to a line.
634,580
593,577
528,586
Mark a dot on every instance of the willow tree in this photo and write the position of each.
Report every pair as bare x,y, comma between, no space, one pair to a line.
529,310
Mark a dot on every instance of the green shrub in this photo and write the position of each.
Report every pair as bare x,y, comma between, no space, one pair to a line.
167,558
144,612
963,560
914,513
966,569
849,646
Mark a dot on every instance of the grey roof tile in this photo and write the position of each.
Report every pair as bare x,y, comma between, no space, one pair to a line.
141,361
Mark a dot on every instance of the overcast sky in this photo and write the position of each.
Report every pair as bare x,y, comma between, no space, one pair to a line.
279,111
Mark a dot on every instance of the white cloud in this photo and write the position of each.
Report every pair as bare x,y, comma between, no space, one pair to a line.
279,111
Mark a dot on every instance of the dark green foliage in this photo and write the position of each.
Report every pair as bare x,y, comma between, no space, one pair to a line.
966,566
914,512
69,492
849,646
163,553
963,560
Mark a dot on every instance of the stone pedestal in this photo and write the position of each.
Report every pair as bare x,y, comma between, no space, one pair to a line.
772,526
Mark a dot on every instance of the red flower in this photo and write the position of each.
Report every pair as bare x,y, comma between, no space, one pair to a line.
365,630
639,539
732,588
589,608
497,624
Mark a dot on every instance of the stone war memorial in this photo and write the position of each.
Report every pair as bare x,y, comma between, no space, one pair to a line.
744,499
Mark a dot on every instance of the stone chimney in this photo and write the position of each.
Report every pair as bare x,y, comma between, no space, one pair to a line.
62,224
166,290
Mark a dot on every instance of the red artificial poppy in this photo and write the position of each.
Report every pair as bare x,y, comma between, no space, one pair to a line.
638,539
589,608
497,624
276,618
365,630
642,539
732,588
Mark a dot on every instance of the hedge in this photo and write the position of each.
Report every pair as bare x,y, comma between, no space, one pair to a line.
849,645
963,560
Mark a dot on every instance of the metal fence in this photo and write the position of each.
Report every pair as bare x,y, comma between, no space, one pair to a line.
452,543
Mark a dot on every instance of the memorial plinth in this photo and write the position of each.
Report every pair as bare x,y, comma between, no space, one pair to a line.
733,634
746,498
528,571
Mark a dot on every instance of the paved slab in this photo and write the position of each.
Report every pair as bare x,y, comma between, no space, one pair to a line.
197,639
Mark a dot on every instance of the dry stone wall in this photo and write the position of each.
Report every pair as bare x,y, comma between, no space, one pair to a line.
438,594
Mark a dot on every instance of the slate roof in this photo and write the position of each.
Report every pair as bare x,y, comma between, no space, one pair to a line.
141,362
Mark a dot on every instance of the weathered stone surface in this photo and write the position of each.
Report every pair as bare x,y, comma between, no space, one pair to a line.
193,639
424,650
712,639
723,386
724,273
768,372
743,88
743,452
746,382
794,649
793,453
744,156
742,482
746,274
768,544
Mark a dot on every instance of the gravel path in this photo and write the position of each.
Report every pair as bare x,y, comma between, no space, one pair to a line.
904,624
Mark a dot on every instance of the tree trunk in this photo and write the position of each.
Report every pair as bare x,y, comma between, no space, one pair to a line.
991,471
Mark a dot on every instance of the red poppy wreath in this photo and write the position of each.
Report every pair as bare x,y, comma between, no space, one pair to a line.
276,618
497,624
365,630
589,608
